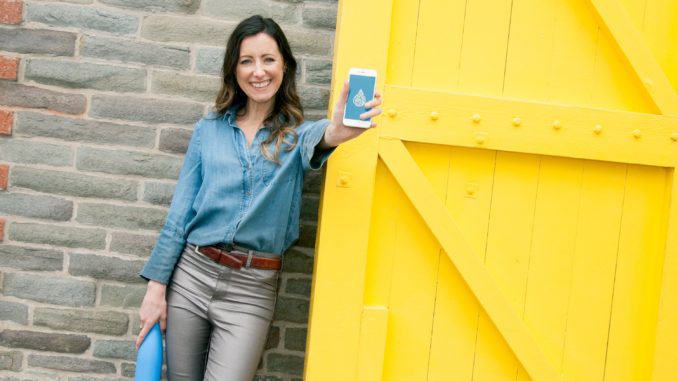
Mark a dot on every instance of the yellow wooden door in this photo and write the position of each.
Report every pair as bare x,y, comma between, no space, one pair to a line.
514,216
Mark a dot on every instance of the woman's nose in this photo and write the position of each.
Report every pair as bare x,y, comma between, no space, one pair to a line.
258,70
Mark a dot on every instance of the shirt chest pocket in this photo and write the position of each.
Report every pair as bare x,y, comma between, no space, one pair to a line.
268,172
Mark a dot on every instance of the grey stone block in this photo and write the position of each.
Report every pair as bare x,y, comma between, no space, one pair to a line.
298,261
121,162
17,150
127,217
115,349
200,88
261,377
238,10
145,109
318,72
92,378
73,184
315,114
299,286
175,140
11,360
314,97
116,49
15,312
292,310
83,130
54,290
310,41
127,369
127,296
313,181
80,75
14,94
273,338
81,17
36,206
288,364
307,234
37,41
107,268
320,16
71,364
30,259
159,193
58,235
209,60
186,6
295,339
135,244
78,320
309,207
45,341
184,29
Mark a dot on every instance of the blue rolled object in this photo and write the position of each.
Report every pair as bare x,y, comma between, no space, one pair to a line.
149,356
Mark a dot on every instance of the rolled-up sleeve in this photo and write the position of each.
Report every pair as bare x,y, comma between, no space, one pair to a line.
310,135
172,239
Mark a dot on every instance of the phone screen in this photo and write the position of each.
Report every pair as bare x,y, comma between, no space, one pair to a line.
361,90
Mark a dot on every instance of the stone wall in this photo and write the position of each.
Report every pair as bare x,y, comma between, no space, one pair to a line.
97,102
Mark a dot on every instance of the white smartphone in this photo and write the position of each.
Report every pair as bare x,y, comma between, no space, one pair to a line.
361,84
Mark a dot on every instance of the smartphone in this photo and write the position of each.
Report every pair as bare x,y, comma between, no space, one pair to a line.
361,84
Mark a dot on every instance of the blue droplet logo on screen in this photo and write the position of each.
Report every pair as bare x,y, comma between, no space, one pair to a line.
360,92
359,99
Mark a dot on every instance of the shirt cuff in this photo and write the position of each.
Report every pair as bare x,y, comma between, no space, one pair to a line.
315,157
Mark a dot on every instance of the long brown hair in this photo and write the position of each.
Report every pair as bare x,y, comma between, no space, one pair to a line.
287,112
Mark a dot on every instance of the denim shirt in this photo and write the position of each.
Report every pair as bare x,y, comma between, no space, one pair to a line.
230,193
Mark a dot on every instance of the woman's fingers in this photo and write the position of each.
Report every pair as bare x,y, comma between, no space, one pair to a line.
145,328
370,114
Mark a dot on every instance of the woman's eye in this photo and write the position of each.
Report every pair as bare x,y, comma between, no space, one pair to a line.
270,59
245,62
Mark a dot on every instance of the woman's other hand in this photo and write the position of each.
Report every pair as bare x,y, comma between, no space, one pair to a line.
337,132
153,309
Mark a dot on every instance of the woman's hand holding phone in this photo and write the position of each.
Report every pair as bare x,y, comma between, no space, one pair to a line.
337,132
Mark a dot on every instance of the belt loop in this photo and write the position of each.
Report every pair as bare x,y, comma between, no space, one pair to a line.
249,258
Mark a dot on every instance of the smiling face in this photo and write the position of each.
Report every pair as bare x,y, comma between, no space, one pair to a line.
260,68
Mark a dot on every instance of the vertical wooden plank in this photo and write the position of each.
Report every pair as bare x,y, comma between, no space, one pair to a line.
415,267
338,282
528,62
508,249
666,356
595,258
373,329
402,43
456,312
439,38
573,53
671,66
550,268
493,358
483,51
386,205
633,322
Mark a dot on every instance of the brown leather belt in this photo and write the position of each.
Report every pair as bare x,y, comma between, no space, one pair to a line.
237,260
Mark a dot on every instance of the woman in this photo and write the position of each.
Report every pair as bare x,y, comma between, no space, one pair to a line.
213,272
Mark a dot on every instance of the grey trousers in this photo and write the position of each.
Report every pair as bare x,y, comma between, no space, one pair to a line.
217,319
